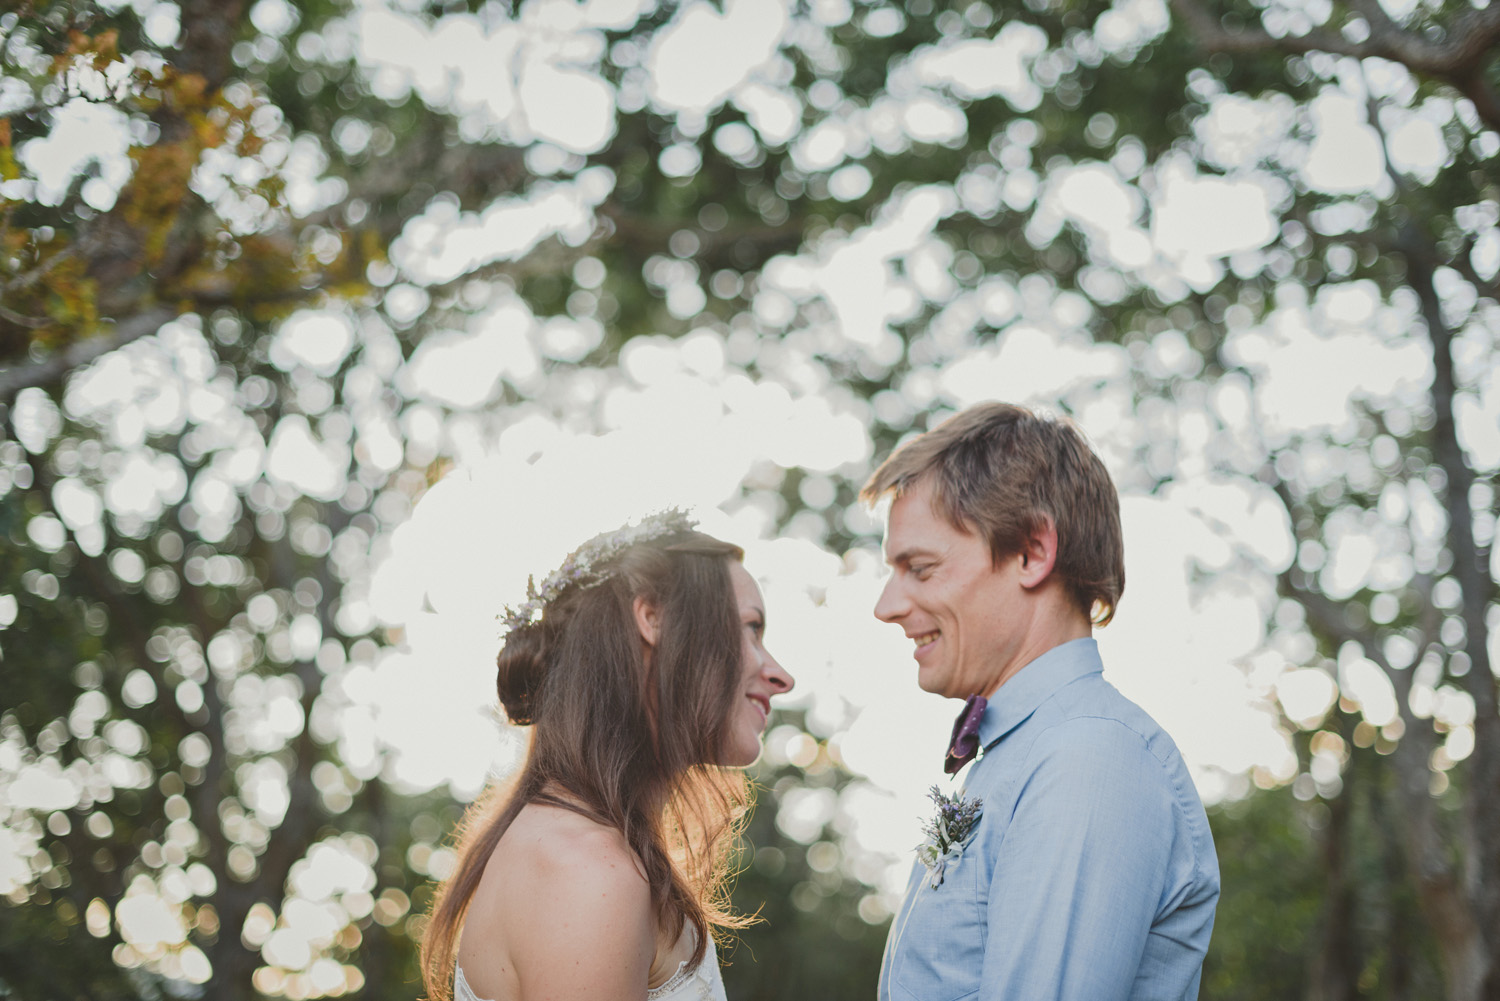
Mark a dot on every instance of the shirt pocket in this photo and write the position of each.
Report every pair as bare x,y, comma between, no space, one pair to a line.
940,954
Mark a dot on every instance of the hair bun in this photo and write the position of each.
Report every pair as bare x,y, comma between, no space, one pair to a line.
522,667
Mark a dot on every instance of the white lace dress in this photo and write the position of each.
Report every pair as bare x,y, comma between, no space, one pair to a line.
701,983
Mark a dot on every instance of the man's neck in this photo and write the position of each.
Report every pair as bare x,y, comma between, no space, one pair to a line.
1052,634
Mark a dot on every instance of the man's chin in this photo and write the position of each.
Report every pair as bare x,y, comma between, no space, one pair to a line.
930,681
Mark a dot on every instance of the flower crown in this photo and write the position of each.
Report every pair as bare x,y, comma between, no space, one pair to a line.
585,566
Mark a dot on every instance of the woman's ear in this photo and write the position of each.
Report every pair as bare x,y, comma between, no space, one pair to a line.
647,620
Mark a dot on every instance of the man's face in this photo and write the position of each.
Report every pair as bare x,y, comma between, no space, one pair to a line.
967,616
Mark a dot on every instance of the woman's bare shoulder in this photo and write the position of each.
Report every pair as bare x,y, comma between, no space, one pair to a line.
562,903
556,845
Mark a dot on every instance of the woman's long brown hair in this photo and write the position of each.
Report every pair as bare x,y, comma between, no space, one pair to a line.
628,745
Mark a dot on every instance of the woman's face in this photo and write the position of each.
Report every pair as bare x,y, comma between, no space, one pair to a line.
760,676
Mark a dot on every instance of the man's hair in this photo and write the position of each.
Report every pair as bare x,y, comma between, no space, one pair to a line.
1001,471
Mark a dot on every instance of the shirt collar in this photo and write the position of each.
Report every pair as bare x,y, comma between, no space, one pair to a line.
1033,684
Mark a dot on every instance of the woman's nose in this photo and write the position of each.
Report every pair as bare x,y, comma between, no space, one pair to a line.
777,675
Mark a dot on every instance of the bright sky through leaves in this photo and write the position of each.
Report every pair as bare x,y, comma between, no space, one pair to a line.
680,422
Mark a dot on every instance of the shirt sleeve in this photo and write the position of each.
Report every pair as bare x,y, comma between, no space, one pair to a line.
1080,869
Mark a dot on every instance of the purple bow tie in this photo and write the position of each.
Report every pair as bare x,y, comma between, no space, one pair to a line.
965,742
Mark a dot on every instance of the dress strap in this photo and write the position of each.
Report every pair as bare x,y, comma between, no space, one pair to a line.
461,989
675,981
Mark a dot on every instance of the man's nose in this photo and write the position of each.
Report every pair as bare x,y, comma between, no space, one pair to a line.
892,605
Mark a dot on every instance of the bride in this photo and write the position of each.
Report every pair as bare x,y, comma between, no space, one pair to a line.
640,666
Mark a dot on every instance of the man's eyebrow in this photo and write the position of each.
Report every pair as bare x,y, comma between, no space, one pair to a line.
905,556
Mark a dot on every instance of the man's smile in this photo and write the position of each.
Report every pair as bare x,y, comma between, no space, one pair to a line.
924,641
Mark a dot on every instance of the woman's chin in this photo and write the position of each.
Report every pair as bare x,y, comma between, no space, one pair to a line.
742,753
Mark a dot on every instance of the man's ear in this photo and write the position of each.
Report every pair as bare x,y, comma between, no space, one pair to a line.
647,620
1039,555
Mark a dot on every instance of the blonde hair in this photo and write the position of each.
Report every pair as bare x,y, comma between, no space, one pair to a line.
1002,471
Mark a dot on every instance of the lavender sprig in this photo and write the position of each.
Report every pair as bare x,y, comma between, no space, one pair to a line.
948,833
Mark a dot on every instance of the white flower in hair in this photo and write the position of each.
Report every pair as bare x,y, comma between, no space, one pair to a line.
586,567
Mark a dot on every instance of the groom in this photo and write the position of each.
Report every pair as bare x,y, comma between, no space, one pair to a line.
1090,874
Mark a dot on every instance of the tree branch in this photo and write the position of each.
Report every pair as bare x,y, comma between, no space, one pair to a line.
29,278
1214,37
29,322
1459,61
644,235
50,370
209,28
302,816
477,174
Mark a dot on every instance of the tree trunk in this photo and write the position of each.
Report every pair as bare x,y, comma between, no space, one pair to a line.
1482,805
1335,968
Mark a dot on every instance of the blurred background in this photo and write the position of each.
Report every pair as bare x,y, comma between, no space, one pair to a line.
323,325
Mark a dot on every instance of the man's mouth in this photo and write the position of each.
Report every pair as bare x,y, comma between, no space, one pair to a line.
925,640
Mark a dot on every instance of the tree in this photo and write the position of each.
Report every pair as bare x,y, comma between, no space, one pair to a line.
187,607
214,337
1417,233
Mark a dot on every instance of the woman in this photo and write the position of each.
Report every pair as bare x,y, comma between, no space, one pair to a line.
640,666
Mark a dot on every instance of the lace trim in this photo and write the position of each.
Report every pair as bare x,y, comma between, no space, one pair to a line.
461,989
463,992
676,980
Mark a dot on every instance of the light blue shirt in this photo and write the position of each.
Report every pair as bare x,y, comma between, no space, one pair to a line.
1091,875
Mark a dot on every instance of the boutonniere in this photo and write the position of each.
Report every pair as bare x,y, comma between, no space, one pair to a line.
948,833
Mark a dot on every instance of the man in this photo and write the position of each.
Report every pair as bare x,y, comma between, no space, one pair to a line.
1090,873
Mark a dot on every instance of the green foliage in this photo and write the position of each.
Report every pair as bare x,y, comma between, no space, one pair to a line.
1268,918
178,656
1312,882
811,939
